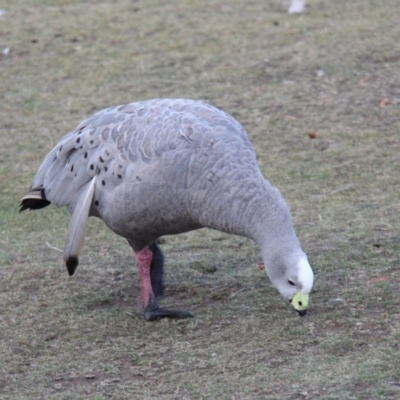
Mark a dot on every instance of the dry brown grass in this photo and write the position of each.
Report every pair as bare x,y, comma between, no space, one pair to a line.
84,338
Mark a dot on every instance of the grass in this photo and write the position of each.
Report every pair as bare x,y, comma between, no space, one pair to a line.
333,71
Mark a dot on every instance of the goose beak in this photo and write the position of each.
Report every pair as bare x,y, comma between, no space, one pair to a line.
302,313
300,303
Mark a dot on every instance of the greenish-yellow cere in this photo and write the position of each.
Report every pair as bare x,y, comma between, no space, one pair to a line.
300,301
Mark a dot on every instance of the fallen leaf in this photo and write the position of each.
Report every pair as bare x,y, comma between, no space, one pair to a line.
383,102
378,279
312,135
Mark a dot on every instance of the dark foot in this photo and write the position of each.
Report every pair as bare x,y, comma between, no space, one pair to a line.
151,313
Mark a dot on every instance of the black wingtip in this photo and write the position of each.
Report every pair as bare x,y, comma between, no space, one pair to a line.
34,200
33,204
71,265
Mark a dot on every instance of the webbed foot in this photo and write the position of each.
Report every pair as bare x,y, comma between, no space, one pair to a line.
151,313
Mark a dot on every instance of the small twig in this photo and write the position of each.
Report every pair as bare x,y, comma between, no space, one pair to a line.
341,189
235,293
54,248
322,197
131,315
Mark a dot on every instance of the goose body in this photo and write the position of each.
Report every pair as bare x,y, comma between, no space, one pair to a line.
296,7
163,167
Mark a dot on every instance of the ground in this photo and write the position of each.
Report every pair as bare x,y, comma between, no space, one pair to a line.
319,95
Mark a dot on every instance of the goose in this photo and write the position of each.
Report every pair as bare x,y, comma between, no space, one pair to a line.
163,167
296,7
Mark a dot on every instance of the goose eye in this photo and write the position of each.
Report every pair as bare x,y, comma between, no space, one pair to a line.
291,282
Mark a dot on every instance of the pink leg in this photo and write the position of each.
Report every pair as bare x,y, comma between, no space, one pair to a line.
151,308
143,259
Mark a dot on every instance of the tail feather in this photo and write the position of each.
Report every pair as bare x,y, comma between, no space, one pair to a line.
34,200
77,227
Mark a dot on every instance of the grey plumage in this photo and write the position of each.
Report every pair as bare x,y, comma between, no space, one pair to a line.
163,167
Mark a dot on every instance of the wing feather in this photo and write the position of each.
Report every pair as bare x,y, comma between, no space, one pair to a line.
77,227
